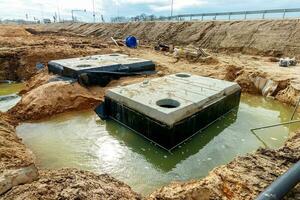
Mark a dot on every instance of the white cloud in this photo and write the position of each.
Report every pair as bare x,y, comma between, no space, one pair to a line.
109,8
164,5
178,5
45,8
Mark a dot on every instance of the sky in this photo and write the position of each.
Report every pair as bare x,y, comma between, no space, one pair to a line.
22,9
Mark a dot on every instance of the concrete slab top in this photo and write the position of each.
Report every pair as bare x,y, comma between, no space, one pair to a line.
98,61
172,98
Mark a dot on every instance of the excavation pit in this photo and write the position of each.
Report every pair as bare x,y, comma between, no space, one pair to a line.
171,109
73,67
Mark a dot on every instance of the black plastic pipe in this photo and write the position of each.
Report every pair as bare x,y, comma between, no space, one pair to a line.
282,185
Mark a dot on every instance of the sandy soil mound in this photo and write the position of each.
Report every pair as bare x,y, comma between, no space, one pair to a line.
13,31
52,98
72,184
37,80
243,178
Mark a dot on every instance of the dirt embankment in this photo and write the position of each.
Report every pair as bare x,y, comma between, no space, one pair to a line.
266,37
243,178
72,184
16,161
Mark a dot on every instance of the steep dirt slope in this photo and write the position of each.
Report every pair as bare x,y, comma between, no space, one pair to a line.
72,184
268,37
16,161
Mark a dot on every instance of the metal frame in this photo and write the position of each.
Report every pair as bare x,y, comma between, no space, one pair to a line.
229,14
280,124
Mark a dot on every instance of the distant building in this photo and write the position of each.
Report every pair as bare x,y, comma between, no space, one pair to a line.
46,21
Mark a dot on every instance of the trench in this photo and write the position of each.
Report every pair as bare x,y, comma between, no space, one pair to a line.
81,140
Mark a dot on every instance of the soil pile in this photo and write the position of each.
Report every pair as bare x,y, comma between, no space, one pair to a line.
243,178
267,37
72,184
53,98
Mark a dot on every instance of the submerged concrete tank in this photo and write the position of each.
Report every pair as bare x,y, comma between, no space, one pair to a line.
170,109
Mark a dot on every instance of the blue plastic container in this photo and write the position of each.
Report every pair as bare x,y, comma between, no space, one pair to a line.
131,42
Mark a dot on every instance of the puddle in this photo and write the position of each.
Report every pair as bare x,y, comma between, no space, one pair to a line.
82,140
8,95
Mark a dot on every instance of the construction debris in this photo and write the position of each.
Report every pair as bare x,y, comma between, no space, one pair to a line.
117,42
286,62
266,86
131,42
164,47
190,53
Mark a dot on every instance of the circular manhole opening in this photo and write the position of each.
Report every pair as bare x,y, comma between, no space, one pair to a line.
182,75
83,66
168,103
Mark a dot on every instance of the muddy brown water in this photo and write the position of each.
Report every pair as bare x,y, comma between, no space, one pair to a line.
82,140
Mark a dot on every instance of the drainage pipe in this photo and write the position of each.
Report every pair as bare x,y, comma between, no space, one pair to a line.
282,185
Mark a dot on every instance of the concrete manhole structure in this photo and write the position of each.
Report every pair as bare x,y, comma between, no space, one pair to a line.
170,109
73,67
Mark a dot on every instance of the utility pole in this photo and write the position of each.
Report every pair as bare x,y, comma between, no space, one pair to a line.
72,12
73,16
117,5
94,15
172,4
42,11
58,12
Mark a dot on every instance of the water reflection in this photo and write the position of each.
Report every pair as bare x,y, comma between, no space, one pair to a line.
152,153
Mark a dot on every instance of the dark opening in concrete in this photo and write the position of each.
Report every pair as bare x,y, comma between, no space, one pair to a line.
83,66
168,103
182,75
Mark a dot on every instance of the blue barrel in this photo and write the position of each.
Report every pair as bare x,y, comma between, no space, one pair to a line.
131,42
